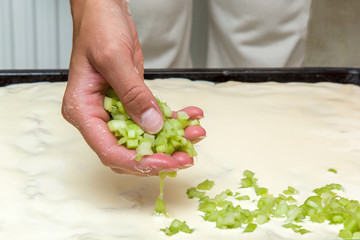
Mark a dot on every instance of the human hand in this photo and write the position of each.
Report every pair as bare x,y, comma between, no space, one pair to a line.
106,52
153,164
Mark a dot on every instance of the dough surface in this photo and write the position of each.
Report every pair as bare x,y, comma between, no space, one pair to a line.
52,186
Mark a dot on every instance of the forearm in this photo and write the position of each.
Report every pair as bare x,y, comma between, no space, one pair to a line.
78,6
81,8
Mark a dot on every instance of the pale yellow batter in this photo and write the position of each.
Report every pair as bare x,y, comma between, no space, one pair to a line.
52,186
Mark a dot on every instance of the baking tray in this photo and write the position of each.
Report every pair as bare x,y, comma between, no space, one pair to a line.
282,75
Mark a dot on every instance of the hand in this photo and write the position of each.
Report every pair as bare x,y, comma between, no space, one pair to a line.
160,162
106,52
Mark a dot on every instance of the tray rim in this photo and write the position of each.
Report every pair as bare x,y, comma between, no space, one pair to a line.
217,75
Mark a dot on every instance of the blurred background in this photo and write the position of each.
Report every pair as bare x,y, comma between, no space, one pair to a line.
36,34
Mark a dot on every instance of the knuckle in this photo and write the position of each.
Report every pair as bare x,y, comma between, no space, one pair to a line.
105,159
133,97
111,51
106,162
68,110
107,54
65,110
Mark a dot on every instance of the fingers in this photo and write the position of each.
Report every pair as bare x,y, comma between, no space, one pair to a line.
117,66
193,112
121,171
183,159
195,134
103,142
122,160
137,99
154,164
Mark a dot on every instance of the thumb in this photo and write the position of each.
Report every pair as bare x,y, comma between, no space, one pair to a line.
136,97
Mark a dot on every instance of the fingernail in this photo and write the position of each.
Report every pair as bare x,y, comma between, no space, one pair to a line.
186,166
151,121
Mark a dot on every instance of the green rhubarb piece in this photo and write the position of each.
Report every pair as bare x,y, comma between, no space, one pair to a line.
207,207
281,209
111,93
228,220
250,227
221,196
177,226
194,193
356,235
293,214
296,228
242,198
248,174
302,231
338,219
132,143
266,203
160,206
334,186
180,132
205,185
291,225
345,234
291,199
172,174
149,137
317,218
122,140
290,191
120,107
224,204
182,115
261,191
247,182
344,201
115,125
109,103
261,219
143,149
194,122
131,133
185,228
161,149
351,225
314,202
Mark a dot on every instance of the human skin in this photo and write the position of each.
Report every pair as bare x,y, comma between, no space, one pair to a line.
106,52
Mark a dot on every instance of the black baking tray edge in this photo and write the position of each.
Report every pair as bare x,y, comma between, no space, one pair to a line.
282,75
